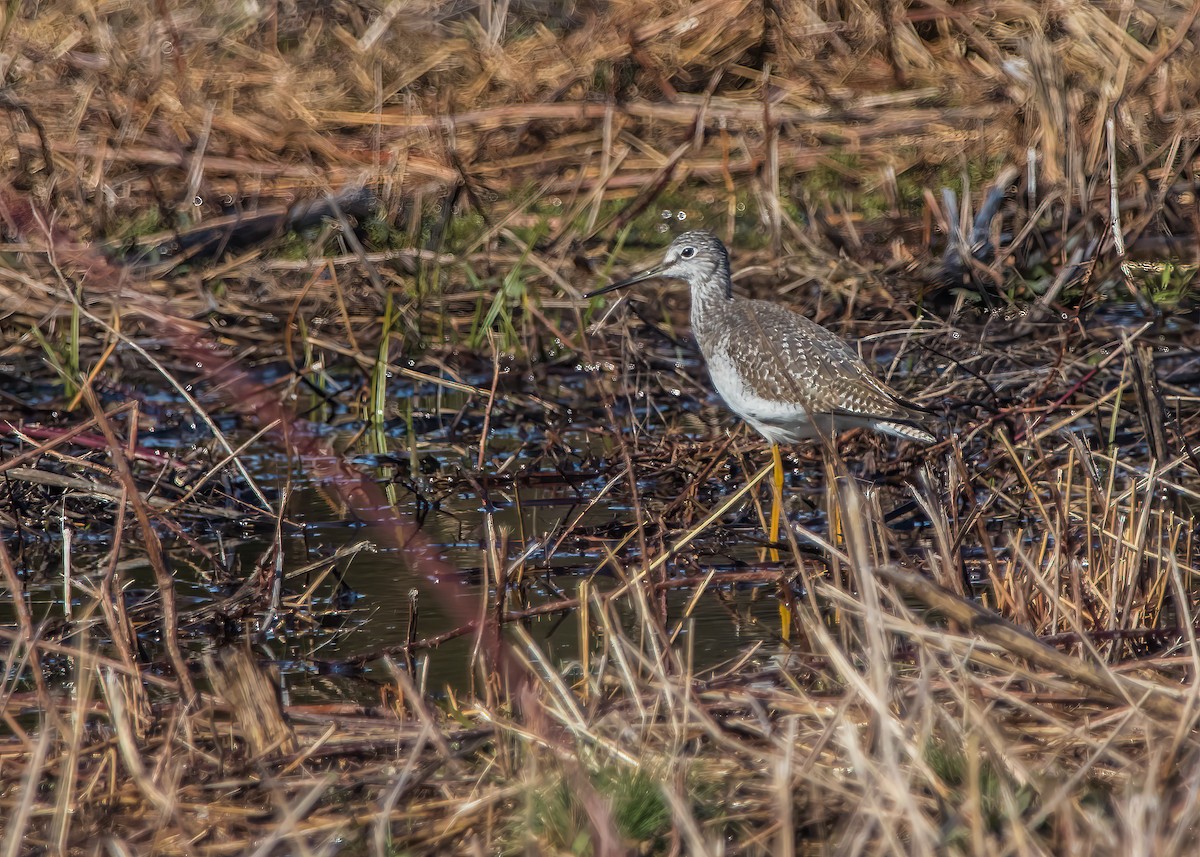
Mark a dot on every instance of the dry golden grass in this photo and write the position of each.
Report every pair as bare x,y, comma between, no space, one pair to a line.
142,108
903,716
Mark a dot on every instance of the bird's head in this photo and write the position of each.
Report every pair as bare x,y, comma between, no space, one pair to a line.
698,257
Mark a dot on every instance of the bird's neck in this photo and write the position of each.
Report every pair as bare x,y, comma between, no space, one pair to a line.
710,297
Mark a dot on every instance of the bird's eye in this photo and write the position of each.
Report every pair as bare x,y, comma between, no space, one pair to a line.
687,252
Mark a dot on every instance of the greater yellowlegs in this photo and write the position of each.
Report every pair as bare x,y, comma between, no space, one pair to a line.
787,376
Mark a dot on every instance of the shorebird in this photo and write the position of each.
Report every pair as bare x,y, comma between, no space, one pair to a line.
787,376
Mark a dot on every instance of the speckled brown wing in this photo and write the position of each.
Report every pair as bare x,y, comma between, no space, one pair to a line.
794,359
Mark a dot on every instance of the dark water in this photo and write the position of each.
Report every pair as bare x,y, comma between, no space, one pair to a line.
538,474
433,478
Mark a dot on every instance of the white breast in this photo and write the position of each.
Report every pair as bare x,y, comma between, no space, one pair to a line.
778,422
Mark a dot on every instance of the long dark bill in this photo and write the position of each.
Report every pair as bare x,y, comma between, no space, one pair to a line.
636,278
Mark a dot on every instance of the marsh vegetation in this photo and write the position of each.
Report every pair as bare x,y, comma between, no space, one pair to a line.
335,519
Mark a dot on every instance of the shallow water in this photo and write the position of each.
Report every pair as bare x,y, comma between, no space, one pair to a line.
522,494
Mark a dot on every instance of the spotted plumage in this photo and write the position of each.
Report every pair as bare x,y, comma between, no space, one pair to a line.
787,376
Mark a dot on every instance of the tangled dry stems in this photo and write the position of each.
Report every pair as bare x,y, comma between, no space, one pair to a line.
1062,723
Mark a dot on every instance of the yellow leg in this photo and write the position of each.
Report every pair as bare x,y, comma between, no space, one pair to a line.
776,499
785,612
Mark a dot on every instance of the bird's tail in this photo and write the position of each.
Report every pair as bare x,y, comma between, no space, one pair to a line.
905,431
